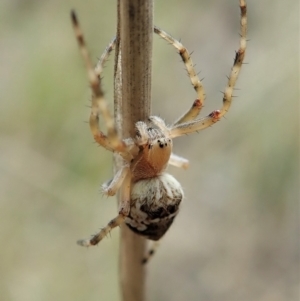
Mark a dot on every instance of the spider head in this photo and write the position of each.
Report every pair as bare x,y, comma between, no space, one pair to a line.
155,145
158,141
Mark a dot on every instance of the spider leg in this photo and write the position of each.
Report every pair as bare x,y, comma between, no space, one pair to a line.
115,222
195,125
238,61
159,122
197,105
178,161
111,187
104,57
99,106
213,117
193,112
124,208
151,252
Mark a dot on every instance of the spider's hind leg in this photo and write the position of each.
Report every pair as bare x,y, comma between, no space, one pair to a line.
115,222
124,208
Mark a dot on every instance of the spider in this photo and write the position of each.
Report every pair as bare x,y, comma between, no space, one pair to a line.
151,197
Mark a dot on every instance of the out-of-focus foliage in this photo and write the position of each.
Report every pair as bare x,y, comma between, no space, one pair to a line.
236,237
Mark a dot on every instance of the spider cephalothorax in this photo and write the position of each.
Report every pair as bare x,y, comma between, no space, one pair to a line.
151,197
155,148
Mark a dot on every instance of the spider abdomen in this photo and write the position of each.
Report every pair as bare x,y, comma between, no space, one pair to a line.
154,205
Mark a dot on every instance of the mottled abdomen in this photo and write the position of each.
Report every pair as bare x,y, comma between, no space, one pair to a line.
154,205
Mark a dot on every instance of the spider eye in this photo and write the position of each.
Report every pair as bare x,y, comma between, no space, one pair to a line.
149,129
161,144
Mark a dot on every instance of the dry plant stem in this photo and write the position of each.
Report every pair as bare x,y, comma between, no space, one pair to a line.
132,104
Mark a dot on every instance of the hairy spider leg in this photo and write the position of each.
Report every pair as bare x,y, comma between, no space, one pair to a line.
104,57
197,105
111,187
175,160
99,106
213,117
124,208
179,161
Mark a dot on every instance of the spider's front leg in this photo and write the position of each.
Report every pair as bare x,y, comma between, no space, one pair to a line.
195,125
189,126
197,105
124,208
111,142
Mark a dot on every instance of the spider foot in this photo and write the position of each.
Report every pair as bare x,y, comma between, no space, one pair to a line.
106,188
84,242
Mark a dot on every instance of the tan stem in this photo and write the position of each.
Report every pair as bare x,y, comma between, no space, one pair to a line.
132,103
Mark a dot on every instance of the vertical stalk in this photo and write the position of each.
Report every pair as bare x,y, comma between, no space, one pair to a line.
132,103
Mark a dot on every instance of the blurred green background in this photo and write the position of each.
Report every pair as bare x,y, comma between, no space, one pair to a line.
237,235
